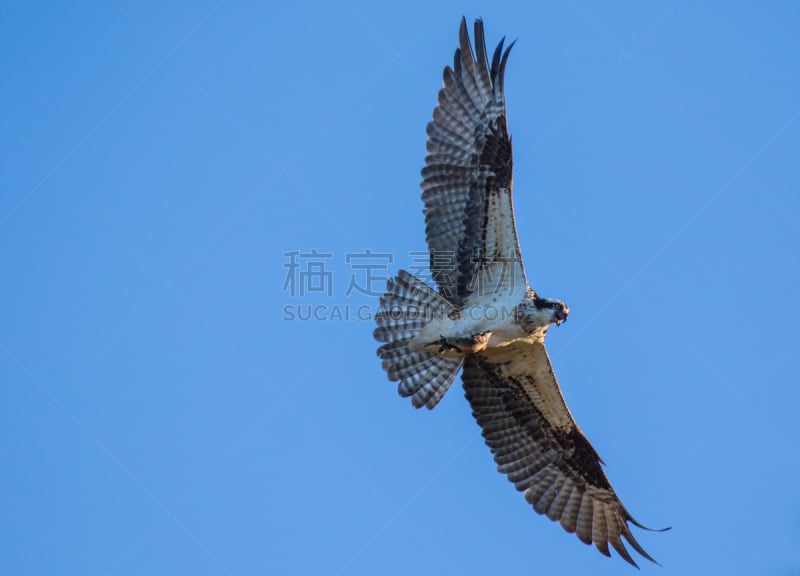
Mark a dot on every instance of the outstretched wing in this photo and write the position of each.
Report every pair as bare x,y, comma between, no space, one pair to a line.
517,402
467,178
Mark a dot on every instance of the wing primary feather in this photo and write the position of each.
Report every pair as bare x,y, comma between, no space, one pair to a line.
622,551
467,61
480,47
570,516
626,533
466,46
600,528
500,77
457,63
542,498
498,52
633,521
583,527
556,509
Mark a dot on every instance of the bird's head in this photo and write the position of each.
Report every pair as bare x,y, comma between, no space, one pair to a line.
560,312
556,309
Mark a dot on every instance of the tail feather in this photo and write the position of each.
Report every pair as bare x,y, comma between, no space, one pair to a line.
432,378
407,307
396,330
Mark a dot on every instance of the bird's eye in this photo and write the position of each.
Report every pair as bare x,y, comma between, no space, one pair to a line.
557,306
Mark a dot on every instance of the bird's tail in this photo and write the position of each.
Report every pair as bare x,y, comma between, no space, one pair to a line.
408,305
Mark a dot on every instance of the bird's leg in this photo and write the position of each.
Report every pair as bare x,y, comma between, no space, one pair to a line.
465,344
445,346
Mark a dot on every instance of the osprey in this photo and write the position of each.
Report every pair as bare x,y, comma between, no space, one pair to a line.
485,318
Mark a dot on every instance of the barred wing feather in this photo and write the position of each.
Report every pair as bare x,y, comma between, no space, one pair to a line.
467,178
517,402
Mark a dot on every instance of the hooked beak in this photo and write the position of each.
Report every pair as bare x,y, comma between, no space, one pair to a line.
561,316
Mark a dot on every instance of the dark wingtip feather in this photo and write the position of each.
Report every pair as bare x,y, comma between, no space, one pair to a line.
462,31
499,60
477,26
499,57
623,552
498,52
463,37
501,72
480,44
602,546
638,547
636,523
643,527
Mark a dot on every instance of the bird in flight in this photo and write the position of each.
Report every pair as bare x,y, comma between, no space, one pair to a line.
485,320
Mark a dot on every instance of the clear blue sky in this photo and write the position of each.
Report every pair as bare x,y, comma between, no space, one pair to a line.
163,410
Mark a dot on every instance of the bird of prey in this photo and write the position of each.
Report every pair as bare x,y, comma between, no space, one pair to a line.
485,318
